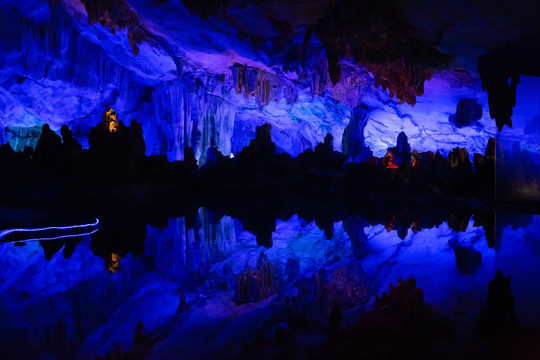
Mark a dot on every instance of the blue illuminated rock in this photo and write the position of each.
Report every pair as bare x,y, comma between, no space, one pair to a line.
353,143
19,137
64,66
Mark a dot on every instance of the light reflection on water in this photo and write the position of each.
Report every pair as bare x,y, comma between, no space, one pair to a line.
90,301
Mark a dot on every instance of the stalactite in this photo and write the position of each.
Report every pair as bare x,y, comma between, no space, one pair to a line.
98,9
56,51
319,75
206,8
334,69
238,76
500,71
468,112
263,85
170,123
216,122
117,13
185,114
309,62
192,110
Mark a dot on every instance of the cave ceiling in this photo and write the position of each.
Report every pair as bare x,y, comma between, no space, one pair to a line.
321,58
402,43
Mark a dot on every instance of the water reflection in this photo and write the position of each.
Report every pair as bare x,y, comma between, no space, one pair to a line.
51,238
214,279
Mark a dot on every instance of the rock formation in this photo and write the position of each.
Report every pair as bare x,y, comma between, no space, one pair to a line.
498,314
353,143
468,111
255,285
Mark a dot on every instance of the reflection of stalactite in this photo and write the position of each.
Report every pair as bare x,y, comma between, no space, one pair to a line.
265,239
169,248
254,285
459,219
498,315
467,258
141,343
354,227
181,248
217,236
334,324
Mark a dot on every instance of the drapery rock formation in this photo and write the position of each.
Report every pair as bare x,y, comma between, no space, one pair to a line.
302,68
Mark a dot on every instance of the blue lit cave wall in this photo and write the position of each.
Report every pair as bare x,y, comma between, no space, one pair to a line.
518,148
200,84
525,132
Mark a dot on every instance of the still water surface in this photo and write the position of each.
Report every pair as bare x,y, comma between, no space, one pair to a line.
83,295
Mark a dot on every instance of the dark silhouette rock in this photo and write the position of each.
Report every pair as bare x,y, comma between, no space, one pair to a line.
335,325
117,150
353,142
402,304
189,158
141,343
48,147
500,71
403,148
345,287
467,258
71,149
354,227
498,315
7,154
117,156
468,111
256,157
213,157
264,239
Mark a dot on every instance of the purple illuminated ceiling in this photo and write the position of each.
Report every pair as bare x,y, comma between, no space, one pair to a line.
202,72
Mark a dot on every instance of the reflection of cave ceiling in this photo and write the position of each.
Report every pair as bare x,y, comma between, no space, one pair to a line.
206,72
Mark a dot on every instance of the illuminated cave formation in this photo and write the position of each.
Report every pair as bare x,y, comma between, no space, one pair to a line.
303,69
210,95
263,172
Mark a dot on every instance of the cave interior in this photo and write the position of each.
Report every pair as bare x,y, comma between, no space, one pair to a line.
269,179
